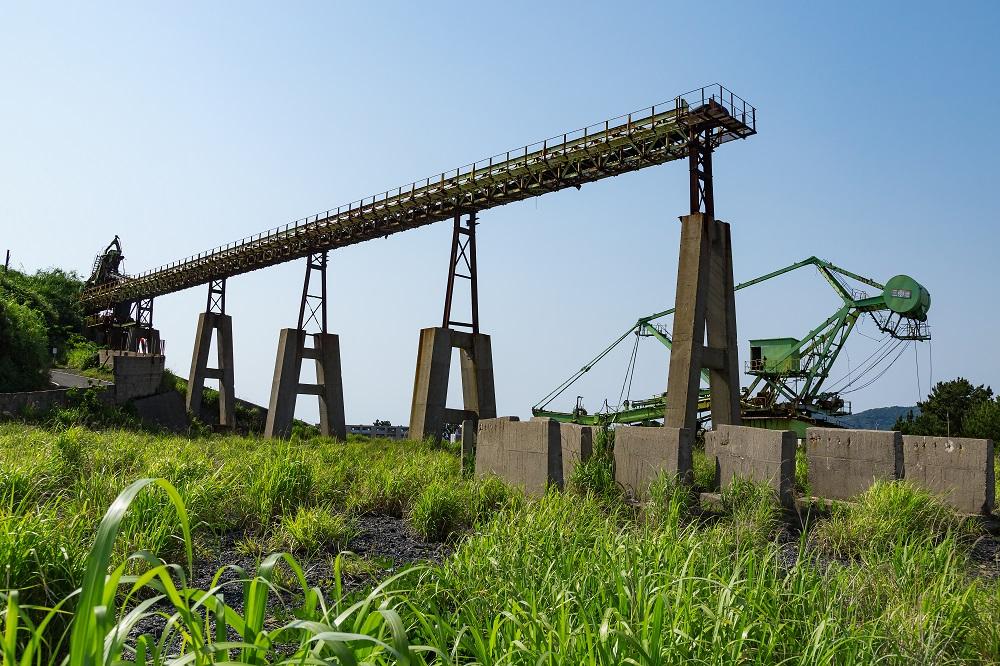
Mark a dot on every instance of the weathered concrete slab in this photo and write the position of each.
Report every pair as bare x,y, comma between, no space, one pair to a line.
756,454
523,453
642,454
576,444
958,469
164,410
845,463
137,376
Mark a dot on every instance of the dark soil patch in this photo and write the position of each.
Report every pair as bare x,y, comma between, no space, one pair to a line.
387,541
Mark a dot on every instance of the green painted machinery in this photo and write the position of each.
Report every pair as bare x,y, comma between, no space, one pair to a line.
787,391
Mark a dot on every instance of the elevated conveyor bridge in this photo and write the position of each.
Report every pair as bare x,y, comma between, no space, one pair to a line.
658,134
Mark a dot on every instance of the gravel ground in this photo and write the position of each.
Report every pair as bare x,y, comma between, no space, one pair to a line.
388,542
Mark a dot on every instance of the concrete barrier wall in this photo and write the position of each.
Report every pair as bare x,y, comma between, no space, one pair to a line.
576,444
845,463
642,454
766,456
523,453
957,469
137,376
14,404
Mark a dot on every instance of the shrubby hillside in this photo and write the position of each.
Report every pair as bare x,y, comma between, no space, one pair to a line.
38,313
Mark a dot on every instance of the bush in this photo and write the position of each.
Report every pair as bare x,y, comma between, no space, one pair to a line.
441,510
315,529
753,509
24,354
888,513
81,354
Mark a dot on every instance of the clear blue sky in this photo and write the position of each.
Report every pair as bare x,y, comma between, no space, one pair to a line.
181,126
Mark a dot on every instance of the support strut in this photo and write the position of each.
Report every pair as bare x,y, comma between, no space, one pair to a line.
214,322
325,351
429,414
140,336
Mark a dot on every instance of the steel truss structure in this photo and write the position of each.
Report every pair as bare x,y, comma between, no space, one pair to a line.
658,134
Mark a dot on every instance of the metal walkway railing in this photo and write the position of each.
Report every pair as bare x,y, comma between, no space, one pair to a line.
634,141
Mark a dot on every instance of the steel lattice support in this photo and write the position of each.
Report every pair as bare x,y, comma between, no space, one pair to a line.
325,351
214,322
463,251
216,296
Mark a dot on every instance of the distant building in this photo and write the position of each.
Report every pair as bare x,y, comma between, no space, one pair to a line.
382,430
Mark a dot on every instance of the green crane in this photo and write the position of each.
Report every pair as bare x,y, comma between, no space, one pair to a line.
787,391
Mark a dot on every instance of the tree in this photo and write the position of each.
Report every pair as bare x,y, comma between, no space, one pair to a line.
944,411
24,353
983,421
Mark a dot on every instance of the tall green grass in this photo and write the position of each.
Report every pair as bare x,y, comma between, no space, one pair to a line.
566,579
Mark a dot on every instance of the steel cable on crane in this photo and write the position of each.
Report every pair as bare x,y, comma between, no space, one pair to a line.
883,352
629,371
879,375
860,369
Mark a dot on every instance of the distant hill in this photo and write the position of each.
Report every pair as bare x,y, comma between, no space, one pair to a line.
880,418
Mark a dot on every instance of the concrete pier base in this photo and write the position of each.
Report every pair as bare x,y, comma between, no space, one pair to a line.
285,387
704,304
429,412
220,325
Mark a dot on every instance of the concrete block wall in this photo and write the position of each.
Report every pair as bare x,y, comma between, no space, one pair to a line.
641,454
523,453
137,376
14,404
757,454
957,469
845,463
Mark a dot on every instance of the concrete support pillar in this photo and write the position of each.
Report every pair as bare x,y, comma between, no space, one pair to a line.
285,387
221,326
704,298
429,412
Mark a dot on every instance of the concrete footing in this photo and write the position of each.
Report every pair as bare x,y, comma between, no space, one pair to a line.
285,387
756,454
428,412
845,463
957,469
642,454
523,453
137,376
221,326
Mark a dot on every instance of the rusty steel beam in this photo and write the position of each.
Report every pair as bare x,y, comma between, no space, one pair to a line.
655,135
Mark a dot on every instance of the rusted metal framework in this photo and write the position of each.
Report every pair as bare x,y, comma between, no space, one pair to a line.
655,135
463,251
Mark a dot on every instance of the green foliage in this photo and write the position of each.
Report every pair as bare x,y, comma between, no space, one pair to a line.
89,408
81,354
24,355
753,510
441,510
54,295
887,514
943,412
314,529
567,578
596,475
983,420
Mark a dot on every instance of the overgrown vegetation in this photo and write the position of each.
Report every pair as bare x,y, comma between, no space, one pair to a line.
40,313
579,577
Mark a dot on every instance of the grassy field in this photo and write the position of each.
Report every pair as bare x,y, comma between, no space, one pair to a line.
574,578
